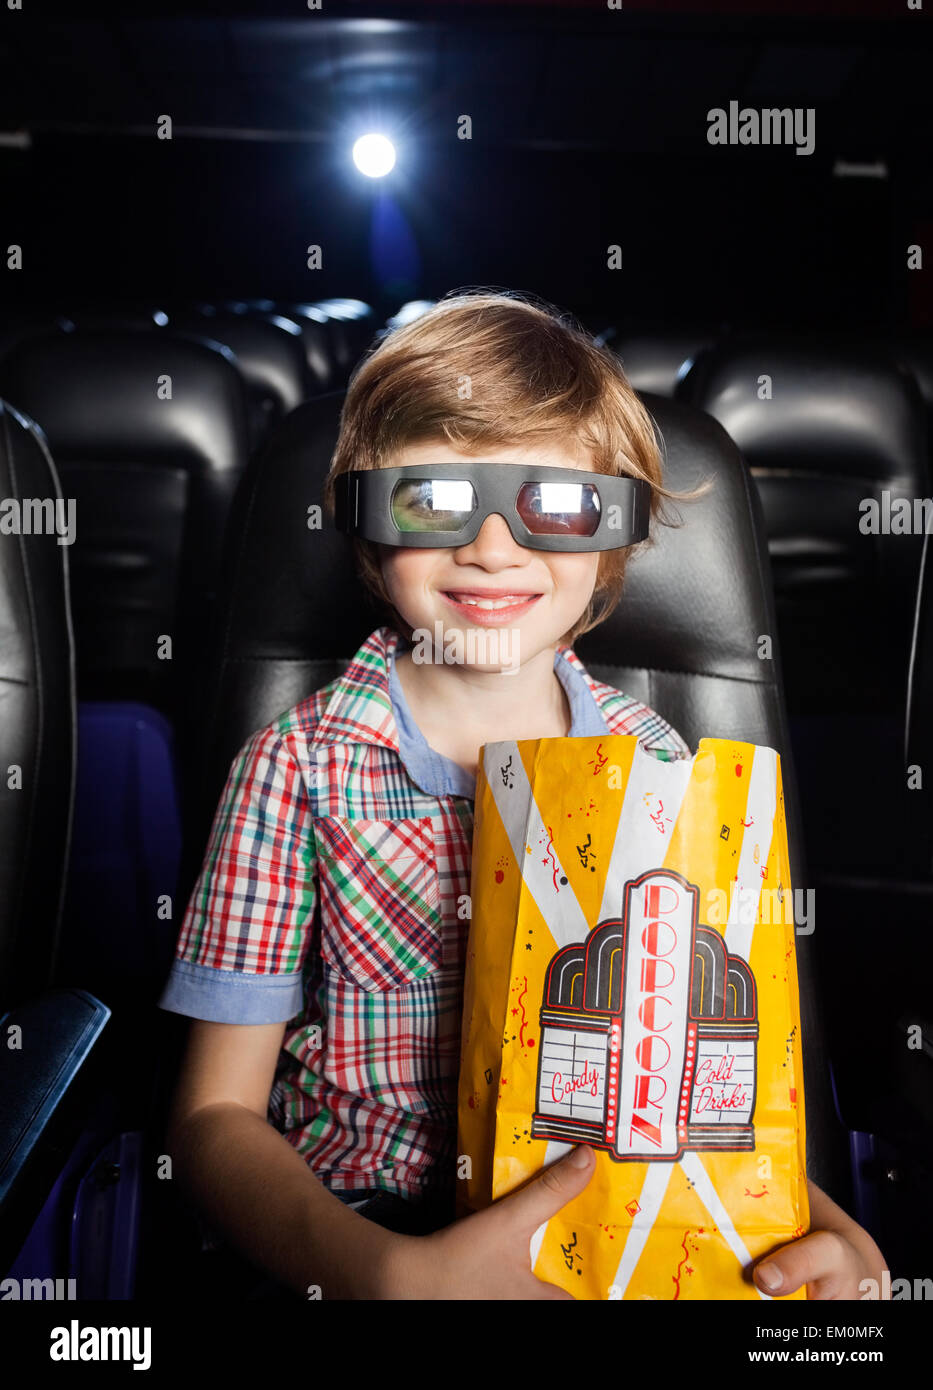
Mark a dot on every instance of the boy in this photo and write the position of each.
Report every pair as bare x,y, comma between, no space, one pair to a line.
322,953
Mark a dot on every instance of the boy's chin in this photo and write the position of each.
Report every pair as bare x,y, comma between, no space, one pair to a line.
494,668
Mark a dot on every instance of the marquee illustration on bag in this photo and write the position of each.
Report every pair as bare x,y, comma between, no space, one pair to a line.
649,1033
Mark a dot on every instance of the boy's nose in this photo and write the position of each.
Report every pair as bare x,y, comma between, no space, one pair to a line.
493,544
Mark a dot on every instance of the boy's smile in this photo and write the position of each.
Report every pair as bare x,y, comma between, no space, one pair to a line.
490,607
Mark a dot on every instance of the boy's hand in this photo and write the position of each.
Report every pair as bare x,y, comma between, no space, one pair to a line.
488,1255
832,1260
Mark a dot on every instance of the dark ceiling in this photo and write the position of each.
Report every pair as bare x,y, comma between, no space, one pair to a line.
557,78
589,128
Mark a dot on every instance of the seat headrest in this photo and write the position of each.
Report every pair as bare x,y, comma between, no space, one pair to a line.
96,395
656,361
826,405
269,349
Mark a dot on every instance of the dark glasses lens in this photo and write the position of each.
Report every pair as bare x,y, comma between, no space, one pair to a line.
553,509
432,504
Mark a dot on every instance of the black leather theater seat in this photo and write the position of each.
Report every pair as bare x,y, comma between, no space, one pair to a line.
656,360
411,310
152,480
37,721
826,427
314,334
914,352
918,734
351,325
269,351
50,1052
114,317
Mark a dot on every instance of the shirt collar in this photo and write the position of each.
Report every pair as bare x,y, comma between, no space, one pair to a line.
360,707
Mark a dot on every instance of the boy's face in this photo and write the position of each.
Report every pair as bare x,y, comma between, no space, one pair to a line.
424,584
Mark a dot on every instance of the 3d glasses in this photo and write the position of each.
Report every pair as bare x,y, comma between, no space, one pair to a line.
445,504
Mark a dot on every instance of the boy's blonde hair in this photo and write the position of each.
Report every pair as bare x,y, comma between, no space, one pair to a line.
482,370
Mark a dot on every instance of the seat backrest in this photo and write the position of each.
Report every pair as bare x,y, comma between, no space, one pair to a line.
828,427
152,476
37,715
686,637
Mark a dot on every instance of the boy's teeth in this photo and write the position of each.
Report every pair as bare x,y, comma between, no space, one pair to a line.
509,602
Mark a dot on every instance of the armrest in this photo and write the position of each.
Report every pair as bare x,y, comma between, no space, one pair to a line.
45,1068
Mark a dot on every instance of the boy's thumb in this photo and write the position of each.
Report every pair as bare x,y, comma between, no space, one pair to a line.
541,1198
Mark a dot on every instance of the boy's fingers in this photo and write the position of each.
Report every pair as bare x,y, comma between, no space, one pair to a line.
822,1255
539,1199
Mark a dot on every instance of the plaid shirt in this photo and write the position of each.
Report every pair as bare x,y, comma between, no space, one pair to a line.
331,898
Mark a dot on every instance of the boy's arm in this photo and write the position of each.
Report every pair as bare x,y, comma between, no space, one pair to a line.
246,931
251,1184
259,1192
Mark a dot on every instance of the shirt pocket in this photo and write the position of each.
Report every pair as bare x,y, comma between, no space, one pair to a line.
380,900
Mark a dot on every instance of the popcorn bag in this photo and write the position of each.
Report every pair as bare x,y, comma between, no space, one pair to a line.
631,984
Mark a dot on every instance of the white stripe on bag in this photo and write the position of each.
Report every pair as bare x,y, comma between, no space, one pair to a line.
639,845
694,1169
746,891
649,1199
521,817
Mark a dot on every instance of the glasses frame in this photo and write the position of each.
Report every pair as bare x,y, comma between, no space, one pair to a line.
363,505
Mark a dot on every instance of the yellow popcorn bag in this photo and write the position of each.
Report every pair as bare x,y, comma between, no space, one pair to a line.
631,984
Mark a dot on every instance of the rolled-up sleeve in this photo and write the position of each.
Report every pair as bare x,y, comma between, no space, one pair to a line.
243,940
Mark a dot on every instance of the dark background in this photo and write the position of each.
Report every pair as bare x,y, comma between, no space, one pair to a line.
589,129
